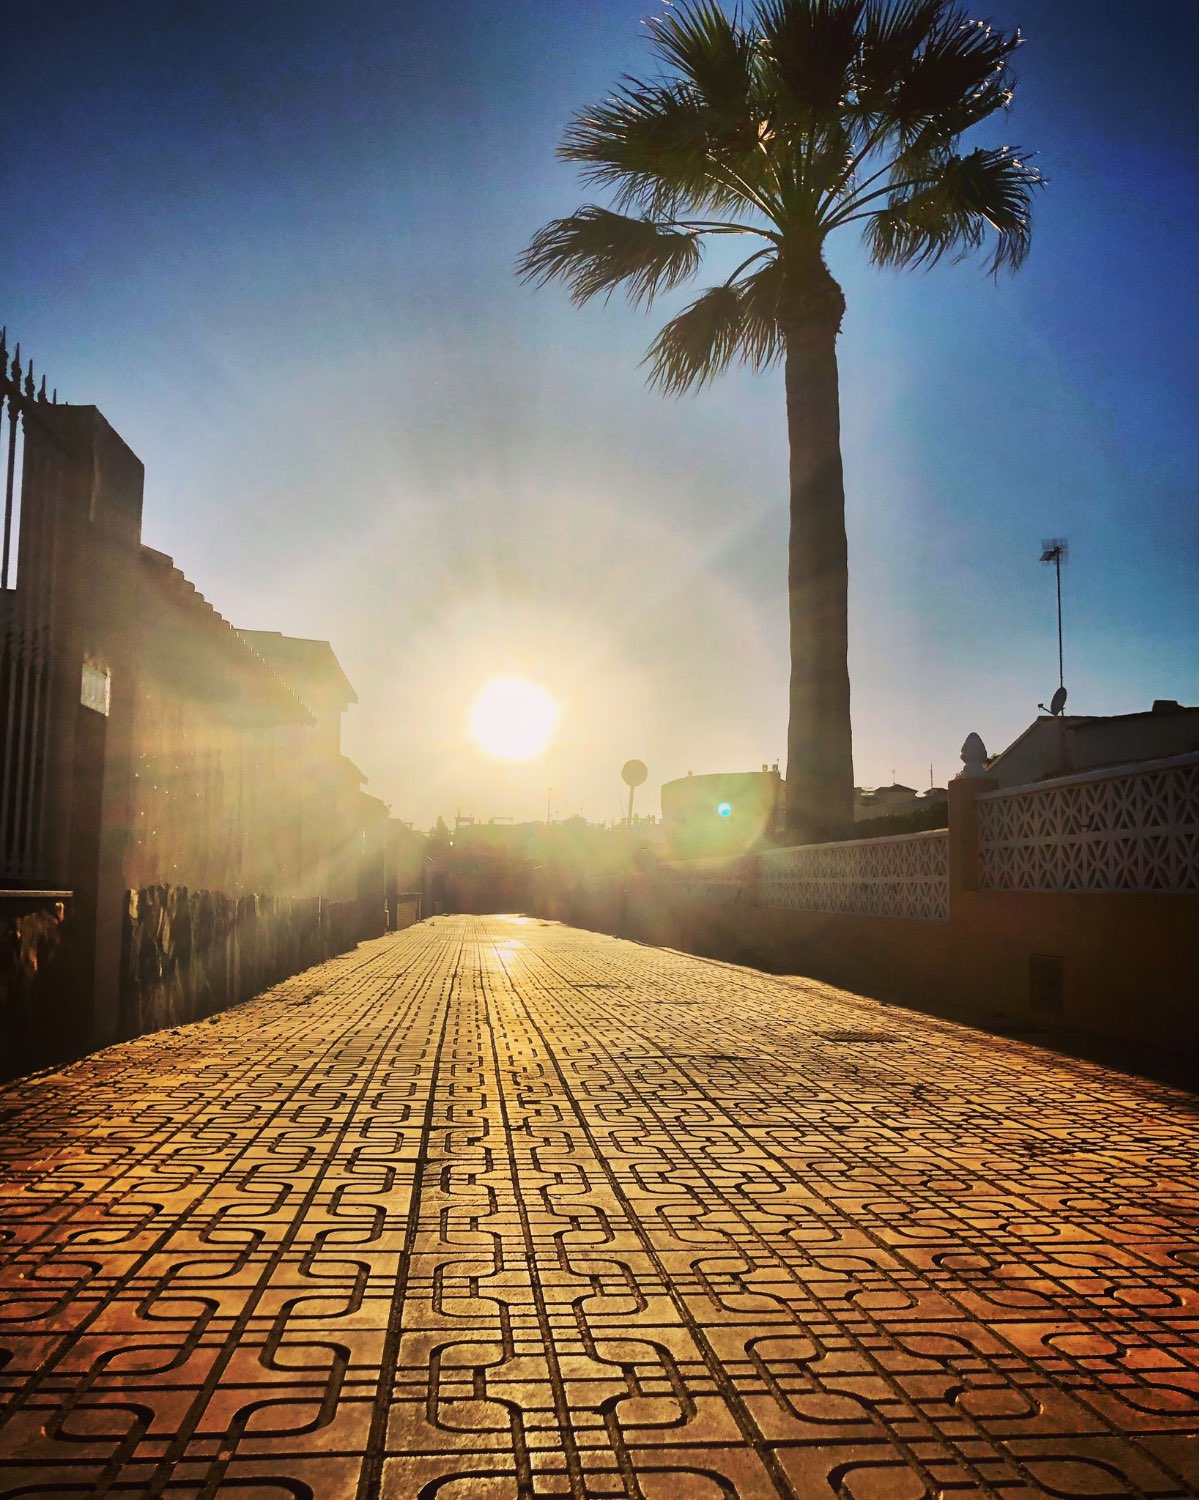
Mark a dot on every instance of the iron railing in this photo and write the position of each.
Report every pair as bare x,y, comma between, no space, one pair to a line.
31,461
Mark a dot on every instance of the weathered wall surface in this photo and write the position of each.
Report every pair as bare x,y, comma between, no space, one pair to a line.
155,752
185,955
189,954
404,911
236,787
1118,967
39,995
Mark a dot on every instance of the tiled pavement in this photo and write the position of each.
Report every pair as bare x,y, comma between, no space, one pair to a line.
495,1209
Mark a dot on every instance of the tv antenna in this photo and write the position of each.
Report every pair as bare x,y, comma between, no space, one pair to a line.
1056,550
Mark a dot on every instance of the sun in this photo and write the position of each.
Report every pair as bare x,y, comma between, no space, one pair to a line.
513,718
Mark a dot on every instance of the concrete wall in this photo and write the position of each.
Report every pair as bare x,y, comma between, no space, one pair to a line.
187,788
1127,963
1129,737
98,507
188,954
1117,967
236,787
41,1001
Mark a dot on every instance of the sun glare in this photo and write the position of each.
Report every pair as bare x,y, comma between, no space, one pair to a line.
513,719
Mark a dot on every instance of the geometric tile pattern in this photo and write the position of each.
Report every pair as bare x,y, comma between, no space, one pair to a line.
493,1208
888,877
1107,831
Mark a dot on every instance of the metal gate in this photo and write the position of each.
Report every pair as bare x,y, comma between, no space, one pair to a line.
32,464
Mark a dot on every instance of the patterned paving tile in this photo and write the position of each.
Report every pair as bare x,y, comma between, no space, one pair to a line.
494,1209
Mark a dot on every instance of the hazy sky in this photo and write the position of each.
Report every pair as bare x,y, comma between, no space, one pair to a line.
274,243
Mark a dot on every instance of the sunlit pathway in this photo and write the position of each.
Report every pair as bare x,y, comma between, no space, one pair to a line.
497,1209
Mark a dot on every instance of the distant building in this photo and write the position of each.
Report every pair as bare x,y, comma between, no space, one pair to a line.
215,740
313,673
490,865
178,785
1069,744
725,812
893,801
338,817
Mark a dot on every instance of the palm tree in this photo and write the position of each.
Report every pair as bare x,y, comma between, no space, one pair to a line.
782,123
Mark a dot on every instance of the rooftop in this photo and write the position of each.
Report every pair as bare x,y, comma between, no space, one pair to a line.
207,658
308,667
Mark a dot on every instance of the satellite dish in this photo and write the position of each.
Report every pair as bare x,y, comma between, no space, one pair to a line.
1056,703
633,772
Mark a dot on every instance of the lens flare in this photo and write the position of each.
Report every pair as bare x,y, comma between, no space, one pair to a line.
513,718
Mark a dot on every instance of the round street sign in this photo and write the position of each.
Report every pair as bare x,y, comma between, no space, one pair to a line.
633,772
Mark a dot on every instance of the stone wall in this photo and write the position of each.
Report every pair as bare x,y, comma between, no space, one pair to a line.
188,954
185,955
36,992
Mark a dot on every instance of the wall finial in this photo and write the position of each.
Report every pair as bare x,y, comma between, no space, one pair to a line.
974,756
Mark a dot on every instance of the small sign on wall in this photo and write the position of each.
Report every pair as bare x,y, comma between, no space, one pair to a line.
96,689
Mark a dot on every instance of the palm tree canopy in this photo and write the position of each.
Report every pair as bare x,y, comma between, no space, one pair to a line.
782,124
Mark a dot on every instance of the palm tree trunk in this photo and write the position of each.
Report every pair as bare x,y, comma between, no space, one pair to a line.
819,745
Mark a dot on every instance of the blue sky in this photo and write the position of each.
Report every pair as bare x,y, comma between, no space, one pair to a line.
274,244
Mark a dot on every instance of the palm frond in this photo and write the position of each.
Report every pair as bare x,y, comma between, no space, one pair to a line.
595,250
974,196
736,321
695,347
761,343
810,47
957,78
893,32
708,49
787,119
659,147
